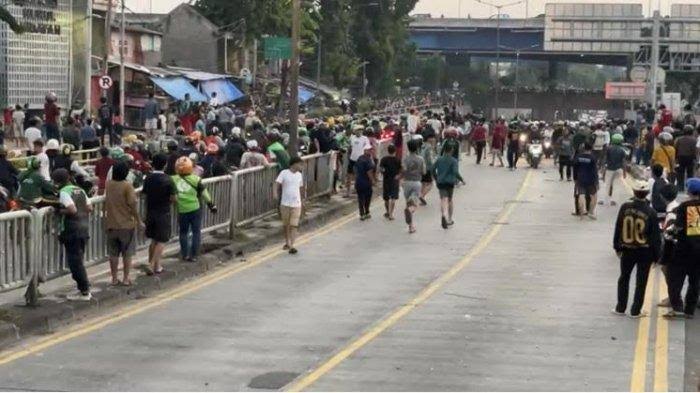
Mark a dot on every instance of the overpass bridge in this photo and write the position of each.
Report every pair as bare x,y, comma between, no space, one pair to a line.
607,34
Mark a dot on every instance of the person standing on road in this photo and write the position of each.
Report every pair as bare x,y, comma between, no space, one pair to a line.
586,178
365,179
428,152
446,171
51,115
150,113
478,137
637,241
686,153
614,168
498,141
106,115
413,170
390,167
190,191
290,188
75,208
665,155
513,149
357,144
160,194
685,263
121,221
601,141
566,154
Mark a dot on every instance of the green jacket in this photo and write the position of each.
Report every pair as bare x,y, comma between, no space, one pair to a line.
33,186
189,190
446,170
281,155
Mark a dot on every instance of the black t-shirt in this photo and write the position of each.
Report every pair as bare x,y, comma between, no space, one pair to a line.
324,139
391,166
158,188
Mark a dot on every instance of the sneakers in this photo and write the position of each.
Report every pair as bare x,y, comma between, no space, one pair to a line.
79,297
614,311
444,223
665,303
293,251
640,315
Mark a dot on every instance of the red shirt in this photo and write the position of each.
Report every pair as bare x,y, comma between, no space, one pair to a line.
51,113
666,118
478,134
102,167
499,137
7,116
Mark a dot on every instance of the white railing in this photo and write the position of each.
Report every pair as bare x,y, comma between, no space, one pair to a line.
16,233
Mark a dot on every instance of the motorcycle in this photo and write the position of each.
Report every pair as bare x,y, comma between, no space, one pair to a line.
548,149
534,153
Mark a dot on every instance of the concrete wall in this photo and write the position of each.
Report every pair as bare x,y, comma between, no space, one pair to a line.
189,40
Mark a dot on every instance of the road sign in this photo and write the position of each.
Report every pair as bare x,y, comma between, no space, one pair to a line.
105,82
639,74
660,75
625,91
278,48
455,85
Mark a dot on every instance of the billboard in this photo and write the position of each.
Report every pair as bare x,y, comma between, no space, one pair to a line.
37,61
625,91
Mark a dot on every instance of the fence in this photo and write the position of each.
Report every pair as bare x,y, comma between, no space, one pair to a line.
28,238
81,156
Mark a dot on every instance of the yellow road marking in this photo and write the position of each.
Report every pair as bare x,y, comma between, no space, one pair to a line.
313,376
639,365
661,346
165,297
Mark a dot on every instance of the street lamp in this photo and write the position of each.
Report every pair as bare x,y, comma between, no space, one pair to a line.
498,43
517,71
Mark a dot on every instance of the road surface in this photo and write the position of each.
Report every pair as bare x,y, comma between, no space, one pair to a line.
516,296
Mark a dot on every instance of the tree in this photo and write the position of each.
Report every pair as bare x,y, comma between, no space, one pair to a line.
6,17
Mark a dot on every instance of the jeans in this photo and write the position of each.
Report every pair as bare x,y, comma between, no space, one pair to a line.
190,221
75,252
678,270
512,158
685,170
364,198
565,162
642,259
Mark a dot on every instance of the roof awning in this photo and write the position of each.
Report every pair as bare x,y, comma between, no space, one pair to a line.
224,89
305,95
177,88
200,75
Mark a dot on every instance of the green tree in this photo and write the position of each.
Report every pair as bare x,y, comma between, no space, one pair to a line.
6,17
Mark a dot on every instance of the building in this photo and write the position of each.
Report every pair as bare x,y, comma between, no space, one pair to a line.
51,56
142,45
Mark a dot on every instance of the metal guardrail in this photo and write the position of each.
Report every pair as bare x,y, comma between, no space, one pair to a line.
29,240
82,157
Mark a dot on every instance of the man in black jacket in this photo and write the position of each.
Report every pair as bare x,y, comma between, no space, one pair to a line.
637,242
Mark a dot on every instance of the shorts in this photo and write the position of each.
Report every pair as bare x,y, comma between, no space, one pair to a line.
158,227
290,215
151,124
446,190
351,166
586,189
121,242
427,178
411,191
390,189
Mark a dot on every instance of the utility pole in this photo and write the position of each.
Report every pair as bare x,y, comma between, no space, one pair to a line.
364,79
318,65
654,80
294,80
122,74
108,39
498,60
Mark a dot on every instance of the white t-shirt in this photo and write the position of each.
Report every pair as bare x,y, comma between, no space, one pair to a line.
436,125
357,144
44,168
291,188
32,134
412,123
600,139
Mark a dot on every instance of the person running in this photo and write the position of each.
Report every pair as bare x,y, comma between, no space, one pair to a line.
160,194
413,170
586,179
390,166
446,171
566,154
637,241
190,191
75,209
428,153
686,234
364,181
121,221
290,188
513,149
614,168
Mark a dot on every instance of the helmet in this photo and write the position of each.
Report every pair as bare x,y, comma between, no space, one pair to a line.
688,129
52,144
184,166
117,153
236,131
33,163
665,137
617,139
51,97
212,148
693,186
640,186
172,145
252,144
215,131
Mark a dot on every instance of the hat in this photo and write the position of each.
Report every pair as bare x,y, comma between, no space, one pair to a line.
236,131
252,144
693,186
52,144
640,185
617,139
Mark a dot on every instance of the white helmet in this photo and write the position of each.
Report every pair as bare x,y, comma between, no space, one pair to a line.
640,185
52,144
666,136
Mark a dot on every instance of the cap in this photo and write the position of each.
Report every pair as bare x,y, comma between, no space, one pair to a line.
640,185
52,144
236,131
693,186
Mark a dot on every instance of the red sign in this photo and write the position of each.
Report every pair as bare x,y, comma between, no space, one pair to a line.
625,90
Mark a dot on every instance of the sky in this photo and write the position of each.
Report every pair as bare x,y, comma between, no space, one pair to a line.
451,8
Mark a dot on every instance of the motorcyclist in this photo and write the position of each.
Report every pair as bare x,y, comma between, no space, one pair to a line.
34,189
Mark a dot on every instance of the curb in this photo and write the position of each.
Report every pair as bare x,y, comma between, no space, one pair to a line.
18,322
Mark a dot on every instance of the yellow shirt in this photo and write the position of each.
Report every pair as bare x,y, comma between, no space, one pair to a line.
664,158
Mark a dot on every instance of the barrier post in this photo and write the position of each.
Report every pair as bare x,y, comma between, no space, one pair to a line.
234,206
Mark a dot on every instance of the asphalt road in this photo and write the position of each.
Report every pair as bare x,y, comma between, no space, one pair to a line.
516,296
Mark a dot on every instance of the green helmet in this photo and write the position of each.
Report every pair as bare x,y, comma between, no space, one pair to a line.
617,139
33,163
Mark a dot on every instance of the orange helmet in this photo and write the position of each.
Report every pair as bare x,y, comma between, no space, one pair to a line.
184,166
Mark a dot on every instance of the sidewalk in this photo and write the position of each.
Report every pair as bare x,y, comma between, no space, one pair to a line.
18,321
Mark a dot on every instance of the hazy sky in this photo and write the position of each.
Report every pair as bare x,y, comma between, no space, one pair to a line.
449,8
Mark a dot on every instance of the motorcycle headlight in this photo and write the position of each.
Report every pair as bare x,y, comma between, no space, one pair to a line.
523,138
547,145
